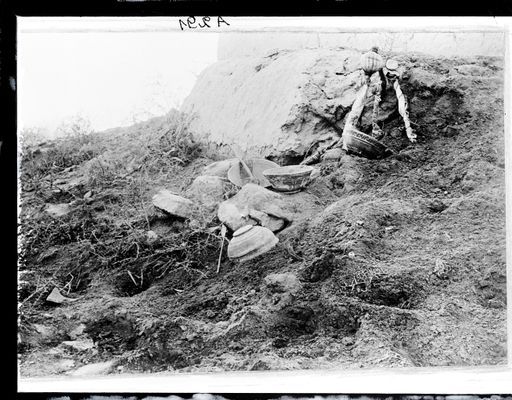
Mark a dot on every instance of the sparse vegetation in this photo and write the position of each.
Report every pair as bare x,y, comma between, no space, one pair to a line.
121,176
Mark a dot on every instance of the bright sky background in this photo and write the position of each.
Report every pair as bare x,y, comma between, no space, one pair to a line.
111,78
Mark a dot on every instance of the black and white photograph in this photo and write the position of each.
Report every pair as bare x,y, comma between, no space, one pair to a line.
209,195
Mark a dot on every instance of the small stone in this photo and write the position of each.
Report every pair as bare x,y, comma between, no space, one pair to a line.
235,212
267,221
280,342
471,69
76,332
207,190
65,365
101,368
437,206
78,345
333,154
219,168
55,297
172,204
260,365
88,195
348,341
58,210
315,174
46,332
282,283
450,131
151,236
351,254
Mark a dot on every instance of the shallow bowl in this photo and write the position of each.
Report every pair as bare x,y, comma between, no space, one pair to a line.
290,178
251,241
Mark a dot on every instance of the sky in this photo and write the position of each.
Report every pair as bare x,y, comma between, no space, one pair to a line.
110,78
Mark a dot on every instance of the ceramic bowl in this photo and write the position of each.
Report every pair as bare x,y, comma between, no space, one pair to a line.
238,175
251,241
364,145
289,179
257,166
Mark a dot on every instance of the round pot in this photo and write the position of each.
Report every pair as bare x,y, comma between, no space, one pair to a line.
251,241
289,179
364,145
371,62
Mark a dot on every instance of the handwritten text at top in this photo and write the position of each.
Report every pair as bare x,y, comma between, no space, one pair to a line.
202,22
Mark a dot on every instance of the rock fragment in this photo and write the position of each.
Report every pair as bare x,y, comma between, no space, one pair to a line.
282,283
56,297
236,211
219,168
472,69
78,345
332,155
173,204
77,332
207,190
101,368
272,223
58,210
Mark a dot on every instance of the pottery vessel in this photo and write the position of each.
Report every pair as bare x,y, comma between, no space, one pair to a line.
251,241
371,62
289,179
257,166
364,145
239,176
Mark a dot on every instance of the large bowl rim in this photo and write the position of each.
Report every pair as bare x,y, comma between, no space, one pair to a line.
303,170
371,140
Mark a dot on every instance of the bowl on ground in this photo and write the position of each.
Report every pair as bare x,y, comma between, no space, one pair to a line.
251,241
289,179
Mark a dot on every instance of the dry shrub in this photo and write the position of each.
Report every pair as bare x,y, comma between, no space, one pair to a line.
108,235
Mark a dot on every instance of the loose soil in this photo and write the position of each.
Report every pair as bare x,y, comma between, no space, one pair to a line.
399,261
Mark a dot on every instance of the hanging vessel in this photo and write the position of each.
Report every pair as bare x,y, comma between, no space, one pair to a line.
289,179
371,62
251,241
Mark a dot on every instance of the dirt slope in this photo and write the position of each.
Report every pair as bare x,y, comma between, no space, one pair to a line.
394,262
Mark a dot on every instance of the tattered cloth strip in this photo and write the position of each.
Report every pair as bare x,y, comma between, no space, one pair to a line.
376,131
355,113
404,112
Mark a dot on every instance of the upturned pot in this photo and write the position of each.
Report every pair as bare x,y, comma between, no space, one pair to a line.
251,241
289,179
